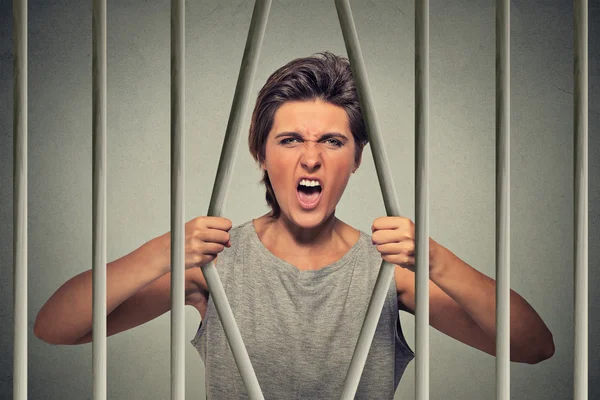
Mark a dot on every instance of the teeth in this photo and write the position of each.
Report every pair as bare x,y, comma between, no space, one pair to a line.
306,182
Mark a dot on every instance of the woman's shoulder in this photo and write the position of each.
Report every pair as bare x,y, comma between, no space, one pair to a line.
370,251
241,229
358,237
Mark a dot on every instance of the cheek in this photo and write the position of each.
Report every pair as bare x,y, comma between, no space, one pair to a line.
271,160
278,169
344,166
341,175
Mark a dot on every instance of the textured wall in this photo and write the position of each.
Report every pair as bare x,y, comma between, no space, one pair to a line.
462,164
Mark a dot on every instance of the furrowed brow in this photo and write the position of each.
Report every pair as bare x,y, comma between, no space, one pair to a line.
334,135
325,136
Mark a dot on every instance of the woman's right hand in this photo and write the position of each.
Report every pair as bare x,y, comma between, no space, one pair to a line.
205,237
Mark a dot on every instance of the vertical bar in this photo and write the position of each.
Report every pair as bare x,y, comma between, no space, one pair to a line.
99,198
503,199
254,41
177,199
422,198
386,273
20,199
580,61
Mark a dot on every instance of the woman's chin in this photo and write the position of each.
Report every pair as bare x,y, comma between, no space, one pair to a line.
309,220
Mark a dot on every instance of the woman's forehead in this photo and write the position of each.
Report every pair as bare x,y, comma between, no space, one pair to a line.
310,118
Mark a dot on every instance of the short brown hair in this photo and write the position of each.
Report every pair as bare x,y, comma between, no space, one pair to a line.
323,76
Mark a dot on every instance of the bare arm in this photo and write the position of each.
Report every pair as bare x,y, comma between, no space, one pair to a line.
137,290
151,302
138,285
462,305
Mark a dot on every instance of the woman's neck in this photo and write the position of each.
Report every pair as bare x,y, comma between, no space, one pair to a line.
285,234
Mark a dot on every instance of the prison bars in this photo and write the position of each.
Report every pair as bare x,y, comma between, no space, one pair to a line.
244,84
177,199
20,175
256,34
390,200
20,199
99,199
422,199
580,200
502,199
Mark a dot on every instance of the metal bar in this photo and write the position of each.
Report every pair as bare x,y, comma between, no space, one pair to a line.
254,41
390,199
99,198
20,199
177,199
503,199
580,187
422,198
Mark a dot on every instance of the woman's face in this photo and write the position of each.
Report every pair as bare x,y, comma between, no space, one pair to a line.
309,139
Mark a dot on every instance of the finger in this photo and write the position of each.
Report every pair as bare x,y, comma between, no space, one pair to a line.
401,260
392,222
217,223
212,248
390,236
395,248
214,236
404,247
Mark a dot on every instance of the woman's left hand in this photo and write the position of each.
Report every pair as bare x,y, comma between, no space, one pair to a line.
395,240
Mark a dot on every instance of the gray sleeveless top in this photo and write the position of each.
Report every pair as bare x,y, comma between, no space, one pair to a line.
300,327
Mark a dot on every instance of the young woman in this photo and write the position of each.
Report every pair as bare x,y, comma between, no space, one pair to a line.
299,279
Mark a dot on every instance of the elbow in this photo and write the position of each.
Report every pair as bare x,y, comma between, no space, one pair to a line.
38,330
43,333
545,350
534,350
55,340
548,350
40,327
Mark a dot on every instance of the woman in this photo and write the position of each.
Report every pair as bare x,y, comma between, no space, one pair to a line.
298,279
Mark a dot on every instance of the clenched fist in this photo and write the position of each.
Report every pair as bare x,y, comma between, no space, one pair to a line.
205,237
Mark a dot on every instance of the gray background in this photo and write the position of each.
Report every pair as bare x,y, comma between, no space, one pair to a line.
462,165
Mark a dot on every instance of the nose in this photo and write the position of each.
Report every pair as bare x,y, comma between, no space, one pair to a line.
311,157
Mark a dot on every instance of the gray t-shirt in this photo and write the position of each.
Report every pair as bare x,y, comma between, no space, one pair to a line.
300,327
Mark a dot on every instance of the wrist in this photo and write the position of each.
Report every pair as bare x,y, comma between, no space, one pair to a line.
156,255
438,261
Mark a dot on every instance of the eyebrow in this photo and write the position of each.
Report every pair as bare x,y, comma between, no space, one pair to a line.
323,136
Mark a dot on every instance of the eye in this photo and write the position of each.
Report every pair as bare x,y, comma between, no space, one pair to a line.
287,140
335,142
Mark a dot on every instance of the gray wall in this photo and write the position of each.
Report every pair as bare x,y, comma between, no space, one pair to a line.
462,158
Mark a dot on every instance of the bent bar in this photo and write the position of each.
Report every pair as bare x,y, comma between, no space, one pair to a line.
502,199
20,199
580,187
390,199
256,34
177,199
99,198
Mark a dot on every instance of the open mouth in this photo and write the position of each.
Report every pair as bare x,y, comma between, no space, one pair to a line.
309,196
